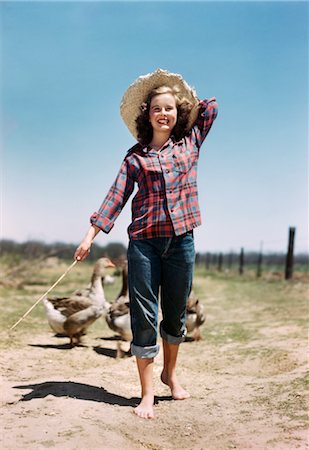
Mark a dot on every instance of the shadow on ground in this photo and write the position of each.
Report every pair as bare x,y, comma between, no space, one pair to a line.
111,353
79,391
72,389
67,346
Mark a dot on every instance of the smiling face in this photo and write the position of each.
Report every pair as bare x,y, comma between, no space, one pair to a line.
163,113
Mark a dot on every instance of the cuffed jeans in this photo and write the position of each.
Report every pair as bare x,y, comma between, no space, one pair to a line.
153,263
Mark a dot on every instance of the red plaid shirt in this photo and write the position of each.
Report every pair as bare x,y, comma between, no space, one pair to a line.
166,202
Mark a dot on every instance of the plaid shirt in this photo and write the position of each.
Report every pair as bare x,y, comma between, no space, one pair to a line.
166,202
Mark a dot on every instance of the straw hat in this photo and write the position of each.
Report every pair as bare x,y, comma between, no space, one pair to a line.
138,91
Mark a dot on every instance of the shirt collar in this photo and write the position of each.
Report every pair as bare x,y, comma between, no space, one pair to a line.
147,149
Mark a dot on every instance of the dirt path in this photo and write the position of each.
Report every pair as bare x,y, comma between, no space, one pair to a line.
246,393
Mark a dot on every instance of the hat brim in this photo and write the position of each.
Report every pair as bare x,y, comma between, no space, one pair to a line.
137,93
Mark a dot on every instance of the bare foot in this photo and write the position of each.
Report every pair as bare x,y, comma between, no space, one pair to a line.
177,391
145,408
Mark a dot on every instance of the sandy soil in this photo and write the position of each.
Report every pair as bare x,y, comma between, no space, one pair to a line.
243,396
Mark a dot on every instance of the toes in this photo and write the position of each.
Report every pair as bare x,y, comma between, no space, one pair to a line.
144,414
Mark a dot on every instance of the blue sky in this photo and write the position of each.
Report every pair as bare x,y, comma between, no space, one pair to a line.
65,67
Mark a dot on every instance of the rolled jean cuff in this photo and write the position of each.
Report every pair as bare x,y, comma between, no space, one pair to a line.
172,339
145,352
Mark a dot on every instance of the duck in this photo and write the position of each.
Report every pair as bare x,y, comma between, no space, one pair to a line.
108,279
95,288
118,320
195,316
71,316
118,315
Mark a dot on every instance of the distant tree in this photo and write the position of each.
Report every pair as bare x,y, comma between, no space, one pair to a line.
36,249
115,250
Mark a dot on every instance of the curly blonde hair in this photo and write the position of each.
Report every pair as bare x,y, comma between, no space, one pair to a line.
184,106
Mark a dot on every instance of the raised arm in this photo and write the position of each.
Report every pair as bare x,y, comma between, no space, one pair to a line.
207,114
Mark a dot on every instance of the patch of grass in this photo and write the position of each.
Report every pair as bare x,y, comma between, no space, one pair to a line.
227,333
301,382
288,398
253,300
15,301
236,307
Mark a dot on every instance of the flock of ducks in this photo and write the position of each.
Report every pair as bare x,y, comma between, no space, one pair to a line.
71,316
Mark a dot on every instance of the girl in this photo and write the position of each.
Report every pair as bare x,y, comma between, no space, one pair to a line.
170,124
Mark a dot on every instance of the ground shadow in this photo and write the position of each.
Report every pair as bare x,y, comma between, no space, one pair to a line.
72,389
162,398
79,391
110,352
111,338
66,346
189,339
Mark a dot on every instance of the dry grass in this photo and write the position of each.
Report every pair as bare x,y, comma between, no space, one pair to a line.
248,375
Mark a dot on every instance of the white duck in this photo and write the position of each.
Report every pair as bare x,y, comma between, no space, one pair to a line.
195,316
73,315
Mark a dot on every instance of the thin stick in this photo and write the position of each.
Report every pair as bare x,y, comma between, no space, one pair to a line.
45,293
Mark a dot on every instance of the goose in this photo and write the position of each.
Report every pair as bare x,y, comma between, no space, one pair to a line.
118,320
195,316
108,279
96,287
74,314
118,315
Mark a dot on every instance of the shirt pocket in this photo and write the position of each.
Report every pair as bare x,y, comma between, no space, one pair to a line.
182,161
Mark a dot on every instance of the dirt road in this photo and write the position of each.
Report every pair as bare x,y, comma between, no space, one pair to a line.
246,379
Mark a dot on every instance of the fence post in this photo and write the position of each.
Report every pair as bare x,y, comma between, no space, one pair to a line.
290,255
197,259
214,259
241,261
207,260
220,261
259,263
230,260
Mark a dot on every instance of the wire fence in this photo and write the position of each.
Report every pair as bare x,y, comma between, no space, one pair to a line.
242,261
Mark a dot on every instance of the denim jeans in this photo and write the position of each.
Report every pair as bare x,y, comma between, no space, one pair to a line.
165,263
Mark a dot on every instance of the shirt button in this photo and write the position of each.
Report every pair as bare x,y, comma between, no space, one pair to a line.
172,210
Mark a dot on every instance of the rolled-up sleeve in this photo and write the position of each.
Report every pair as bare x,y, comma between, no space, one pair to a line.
115,200
208,111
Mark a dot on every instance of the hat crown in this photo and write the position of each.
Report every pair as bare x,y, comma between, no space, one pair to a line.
138,91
